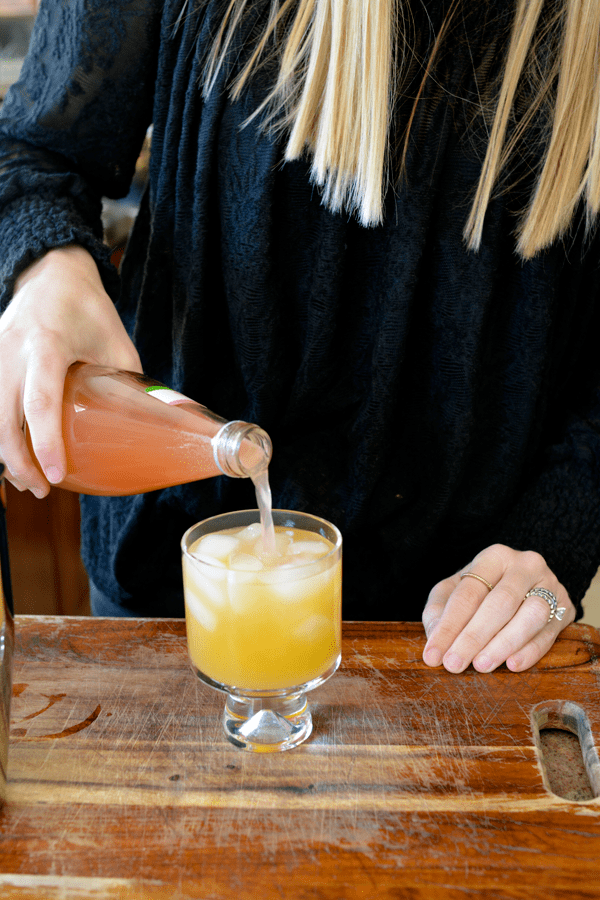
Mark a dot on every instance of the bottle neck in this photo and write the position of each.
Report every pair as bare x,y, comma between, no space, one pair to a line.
241,450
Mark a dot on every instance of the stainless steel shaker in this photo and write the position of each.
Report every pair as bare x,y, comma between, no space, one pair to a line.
6,640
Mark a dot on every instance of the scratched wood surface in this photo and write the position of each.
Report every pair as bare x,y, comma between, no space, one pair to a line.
415,784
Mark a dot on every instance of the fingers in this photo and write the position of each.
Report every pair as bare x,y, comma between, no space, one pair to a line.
42,407
467,623
529,636
455,602
20,469
33,396
59,314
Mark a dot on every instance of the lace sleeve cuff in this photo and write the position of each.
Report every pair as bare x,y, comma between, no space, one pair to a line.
32,226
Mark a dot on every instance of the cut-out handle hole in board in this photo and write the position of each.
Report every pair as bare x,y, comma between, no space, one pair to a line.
567,754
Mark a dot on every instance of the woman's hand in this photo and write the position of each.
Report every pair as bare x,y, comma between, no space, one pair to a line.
59,313
468,621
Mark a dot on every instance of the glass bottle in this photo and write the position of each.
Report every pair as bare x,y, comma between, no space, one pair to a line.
126,434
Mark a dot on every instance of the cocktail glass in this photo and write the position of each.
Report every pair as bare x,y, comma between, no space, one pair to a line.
264,635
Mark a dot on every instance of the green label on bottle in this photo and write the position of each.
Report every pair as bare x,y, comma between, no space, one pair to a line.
166,395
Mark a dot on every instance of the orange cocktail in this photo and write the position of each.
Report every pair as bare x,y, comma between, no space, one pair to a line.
263,623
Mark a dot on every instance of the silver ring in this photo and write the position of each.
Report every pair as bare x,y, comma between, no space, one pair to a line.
556,611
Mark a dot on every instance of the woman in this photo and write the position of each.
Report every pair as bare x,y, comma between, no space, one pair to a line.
360,233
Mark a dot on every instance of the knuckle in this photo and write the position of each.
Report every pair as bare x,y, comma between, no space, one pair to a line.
469,641
438,597
11,453
500,646
20,472
442,589
537,647
445,633
533,560
430,620
469,594
500,551
506,599
6,424
535,613
433,603
36,402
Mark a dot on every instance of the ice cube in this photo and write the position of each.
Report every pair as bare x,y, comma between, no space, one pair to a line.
311,548
245,593
282,543
313,627
213,563
291,584
285,584
250,532
203,615
216,545
242,582
245,562
204,584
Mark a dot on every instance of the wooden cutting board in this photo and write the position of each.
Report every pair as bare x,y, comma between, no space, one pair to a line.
415,784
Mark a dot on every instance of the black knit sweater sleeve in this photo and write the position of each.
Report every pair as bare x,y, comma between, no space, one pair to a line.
558,511
63,141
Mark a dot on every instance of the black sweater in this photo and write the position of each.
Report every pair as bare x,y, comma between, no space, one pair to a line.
426,399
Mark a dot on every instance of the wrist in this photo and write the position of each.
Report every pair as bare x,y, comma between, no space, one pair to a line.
73,255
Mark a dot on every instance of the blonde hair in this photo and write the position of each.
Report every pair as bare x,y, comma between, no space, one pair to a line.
337,84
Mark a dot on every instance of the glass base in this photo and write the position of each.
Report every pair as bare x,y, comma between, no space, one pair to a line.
267,724
270,720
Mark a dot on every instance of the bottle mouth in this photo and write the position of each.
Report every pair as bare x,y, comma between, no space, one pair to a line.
242,450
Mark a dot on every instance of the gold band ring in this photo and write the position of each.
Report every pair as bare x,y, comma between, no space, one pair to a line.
479,578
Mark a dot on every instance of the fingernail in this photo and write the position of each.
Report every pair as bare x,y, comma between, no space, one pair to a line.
514,663
453,662
53,474
483,664
432,656
40,493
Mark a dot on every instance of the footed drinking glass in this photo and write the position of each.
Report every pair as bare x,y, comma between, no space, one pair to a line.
263,628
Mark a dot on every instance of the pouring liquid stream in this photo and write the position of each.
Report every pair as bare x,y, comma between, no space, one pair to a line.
264,501
256,463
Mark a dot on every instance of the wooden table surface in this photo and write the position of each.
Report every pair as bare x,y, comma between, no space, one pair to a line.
415,784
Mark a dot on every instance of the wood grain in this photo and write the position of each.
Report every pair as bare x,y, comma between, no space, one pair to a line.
415,784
